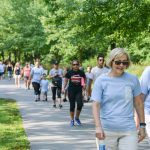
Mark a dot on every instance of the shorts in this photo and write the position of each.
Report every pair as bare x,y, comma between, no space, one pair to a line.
26,78
17,76
1,74
44,92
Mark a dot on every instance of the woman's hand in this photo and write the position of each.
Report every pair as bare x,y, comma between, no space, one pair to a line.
63,90
141,134
100,133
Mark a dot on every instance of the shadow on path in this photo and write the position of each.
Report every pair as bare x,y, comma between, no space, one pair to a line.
48,128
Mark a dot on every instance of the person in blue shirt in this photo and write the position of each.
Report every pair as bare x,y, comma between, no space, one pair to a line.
36,75
145,87
44,84
115,95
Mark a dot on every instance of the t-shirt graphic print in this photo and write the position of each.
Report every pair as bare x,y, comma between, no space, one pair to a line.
76,79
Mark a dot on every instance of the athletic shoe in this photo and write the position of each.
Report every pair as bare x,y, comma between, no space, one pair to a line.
71,123
88,99
60,106
54,106
37,100
78,122
64,100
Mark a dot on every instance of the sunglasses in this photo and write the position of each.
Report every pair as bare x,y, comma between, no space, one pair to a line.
75,64
118,62
101,59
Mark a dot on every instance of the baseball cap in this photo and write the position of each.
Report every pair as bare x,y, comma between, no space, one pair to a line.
56,62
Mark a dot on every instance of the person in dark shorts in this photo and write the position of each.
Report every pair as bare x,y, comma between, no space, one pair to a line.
74,76
26,74
36,75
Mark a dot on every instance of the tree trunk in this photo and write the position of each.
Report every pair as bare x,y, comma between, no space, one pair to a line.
80,55
2,54
19,55
113,45
9,56
15,55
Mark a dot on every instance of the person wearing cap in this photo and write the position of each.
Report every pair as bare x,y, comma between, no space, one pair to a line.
56,75
44,84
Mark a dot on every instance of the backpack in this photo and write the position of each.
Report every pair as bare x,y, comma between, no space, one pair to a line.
57,81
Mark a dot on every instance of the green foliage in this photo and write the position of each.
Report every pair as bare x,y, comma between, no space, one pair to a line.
66,29
12,135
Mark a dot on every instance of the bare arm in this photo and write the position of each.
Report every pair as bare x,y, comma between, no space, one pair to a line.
31,75
143,97
96,114
50,76
14,70
139,106
135,114
65,83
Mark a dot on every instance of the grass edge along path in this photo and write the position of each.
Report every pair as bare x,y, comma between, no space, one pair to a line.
12,133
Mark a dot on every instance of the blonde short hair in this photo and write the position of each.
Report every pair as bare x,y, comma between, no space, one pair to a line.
116,53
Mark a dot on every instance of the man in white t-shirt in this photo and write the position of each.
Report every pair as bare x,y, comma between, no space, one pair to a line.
100,68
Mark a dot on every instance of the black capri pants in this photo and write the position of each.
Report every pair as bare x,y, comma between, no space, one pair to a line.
36,87
54,91
75,95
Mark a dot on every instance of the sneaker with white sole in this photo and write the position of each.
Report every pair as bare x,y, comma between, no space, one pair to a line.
78,122
71,123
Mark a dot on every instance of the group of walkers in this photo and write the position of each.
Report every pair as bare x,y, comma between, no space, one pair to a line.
118,97
16,71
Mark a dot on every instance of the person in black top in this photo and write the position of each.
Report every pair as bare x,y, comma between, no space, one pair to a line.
17,74
76,78
9,70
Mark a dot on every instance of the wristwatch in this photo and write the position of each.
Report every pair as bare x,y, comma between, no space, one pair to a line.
142,125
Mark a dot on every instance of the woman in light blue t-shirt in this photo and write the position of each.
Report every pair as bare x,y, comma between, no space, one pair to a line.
36,75
115,95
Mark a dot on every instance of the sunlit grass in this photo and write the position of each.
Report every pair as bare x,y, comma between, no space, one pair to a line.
12,134
136,69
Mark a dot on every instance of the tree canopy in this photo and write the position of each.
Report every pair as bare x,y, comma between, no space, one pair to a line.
68,29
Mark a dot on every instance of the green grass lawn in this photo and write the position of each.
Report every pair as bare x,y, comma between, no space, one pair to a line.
12,134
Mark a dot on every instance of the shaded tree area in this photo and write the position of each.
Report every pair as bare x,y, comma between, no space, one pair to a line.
69,29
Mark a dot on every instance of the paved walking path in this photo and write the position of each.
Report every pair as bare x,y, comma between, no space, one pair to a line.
48,128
